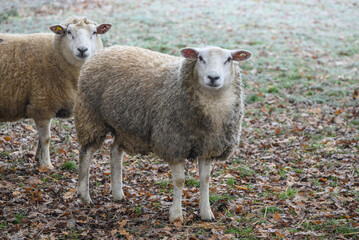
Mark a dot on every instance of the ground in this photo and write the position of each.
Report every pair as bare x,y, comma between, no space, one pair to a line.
295,174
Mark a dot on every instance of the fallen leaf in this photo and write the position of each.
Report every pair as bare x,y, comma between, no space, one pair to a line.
7,138
277,216
315,110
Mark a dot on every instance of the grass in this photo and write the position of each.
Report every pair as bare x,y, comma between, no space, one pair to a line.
335,226
192,182
246,233
271,209
18,218
69,165
138,210
3,225
287,194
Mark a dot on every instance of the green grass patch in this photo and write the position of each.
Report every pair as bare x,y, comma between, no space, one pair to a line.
3,225
254,98
287,194
192,182
213,197
245,171
18,218
230,182
69,165
246,233
271,209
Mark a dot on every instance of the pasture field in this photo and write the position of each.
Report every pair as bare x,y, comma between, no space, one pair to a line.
295,174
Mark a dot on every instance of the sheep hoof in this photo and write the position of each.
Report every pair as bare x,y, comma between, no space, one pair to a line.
175,215
86,199
119,199
45,167
207,216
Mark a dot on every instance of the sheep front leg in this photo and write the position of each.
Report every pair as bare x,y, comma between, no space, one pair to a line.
84,168
42,152
204,177
116,173
178,178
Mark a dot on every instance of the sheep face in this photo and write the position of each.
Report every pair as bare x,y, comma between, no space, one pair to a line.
80,40
214,65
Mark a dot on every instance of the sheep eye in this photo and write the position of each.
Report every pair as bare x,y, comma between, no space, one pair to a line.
201,59
229,59
94,33
69,32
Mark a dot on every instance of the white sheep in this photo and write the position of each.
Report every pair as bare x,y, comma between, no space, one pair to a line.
39,73
177,108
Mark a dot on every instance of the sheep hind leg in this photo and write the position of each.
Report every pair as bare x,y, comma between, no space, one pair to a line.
116,172
204,177
178,178
42,152
84,168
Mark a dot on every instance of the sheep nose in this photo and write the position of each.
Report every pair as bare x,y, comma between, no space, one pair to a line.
213,78
82,50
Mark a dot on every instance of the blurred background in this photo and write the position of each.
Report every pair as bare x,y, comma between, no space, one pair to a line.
311,46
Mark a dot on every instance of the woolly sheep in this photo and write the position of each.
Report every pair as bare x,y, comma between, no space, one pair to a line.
177,108
39,73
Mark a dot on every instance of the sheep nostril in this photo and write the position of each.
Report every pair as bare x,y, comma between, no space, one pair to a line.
82,50
213,78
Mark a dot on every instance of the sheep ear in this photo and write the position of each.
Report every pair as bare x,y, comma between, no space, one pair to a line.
103,28
1,40
241,55
58,29
189,53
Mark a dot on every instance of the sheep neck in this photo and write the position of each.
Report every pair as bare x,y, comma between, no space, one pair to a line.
212,106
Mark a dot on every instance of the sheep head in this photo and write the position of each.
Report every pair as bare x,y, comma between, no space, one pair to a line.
79,38
214,65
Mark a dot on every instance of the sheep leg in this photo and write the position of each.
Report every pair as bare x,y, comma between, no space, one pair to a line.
204,177
42,152
116,172
178,178
84,168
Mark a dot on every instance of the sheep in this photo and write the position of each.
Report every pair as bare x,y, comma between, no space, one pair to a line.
39,73
177,108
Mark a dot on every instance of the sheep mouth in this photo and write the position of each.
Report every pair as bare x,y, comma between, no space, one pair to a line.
214,85
82,56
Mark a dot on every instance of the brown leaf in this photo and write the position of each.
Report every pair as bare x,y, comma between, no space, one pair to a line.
315,110
277,216
265,110
125,233
7,138
277,131
33,180
122,223
62,151
178,223
113,232
30,128
339,111
68,195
